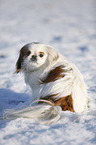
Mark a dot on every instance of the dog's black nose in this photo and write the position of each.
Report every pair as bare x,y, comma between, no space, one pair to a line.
34,58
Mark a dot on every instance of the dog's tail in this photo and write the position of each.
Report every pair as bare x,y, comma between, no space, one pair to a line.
44,113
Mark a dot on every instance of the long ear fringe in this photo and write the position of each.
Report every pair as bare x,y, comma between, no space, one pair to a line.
53,55
41,113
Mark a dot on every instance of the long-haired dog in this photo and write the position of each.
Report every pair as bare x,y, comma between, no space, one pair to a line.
56,83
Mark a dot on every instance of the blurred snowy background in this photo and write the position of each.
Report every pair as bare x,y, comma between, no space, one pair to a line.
70,27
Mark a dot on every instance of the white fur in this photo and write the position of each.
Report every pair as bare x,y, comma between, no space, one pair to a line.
44,114
34,72
72,83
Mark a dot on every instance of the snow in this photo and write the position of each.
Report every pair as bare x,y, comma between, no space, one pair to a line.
70,27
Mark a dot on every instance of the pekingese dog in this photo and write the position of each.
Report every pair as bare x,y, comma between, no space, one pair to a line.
52,78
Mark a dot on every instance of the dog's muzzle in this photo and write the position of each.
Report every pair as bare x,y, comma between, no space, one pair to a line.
34,58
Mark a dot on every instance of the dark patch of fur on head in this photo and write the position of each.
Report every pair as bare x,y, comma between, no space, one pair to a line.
22,55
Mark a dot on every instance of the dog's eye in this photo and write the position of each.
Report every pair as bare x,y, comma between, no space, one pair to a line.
41,54
28,53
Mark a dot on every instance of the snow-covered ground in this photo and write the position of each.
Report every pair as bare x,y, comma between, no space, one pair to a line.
70,27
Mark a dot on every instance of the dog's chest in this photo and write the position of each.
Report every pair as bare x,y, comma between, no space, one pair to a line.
32,79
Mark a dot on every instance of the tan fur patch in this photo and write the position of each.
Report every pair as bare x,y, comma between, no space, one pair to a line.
54,75
66,103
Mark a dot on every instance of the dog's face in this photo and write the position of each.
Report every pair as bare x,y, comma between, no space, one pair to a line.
34,56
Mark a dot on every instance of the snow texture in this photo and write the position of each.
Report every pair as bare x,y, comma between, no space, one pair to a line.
70,27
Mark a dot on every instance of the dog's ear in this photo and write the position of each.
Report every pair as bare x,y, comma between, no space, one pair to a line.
52,55
24,52
19,63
